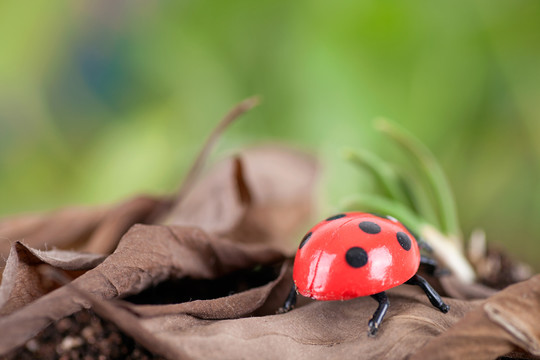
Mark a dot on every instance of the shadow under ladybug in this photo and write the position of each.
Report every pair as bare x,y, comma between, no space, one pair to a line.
358,254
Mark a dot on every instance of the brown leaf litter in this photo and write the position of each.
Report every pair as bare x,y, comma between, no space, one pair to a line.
201,276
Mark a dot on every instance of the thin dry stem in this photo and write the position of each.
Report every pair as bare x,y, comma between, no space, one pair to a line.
199,162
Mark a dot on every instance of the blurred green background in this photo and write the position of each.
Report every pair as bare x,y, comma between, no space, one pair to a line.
100,100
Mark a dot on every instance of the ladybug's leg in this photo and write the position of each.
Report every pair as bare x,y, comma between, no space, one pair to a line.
429,264
290,301
378,315
432,295
424,245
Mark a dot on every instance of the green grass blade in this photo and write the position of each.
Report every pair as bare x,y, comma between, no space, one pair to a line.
420,199
384,174
444,200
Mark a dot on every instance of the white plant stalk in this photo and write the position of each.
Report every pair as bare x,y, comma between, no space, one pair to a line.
449,253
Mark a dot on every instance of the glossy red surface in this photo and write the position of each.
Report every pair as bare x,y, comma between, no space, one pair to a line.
322,272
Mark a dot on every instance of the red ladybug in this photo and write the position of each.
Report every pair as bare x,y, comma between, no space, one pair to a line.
358,254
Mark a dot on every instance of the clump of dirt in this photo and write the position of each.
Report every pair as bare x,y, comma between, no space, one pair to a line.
81,336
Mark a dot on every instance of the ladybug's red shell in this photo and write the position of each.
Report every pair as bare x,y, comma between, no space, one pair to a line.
354,254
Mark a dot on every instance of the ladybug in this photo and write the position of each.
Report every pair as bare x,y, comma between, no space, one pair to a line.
359,254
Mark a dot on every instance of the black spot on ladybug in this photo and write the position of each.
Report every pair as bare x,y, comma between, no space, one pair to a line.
356,257
411,232
305,239
335,217
369,227
404,240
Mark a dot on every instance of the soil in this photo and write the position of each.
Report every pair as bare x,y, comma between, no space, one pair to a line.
83,336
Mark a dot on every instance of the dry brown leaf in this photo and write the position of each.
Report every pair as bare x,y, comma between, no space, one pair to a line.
337,329
317,330
255,300
197,256
503,323
59,228
146,256
457,289
280,183
242,304
23,283
138,210
95,229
